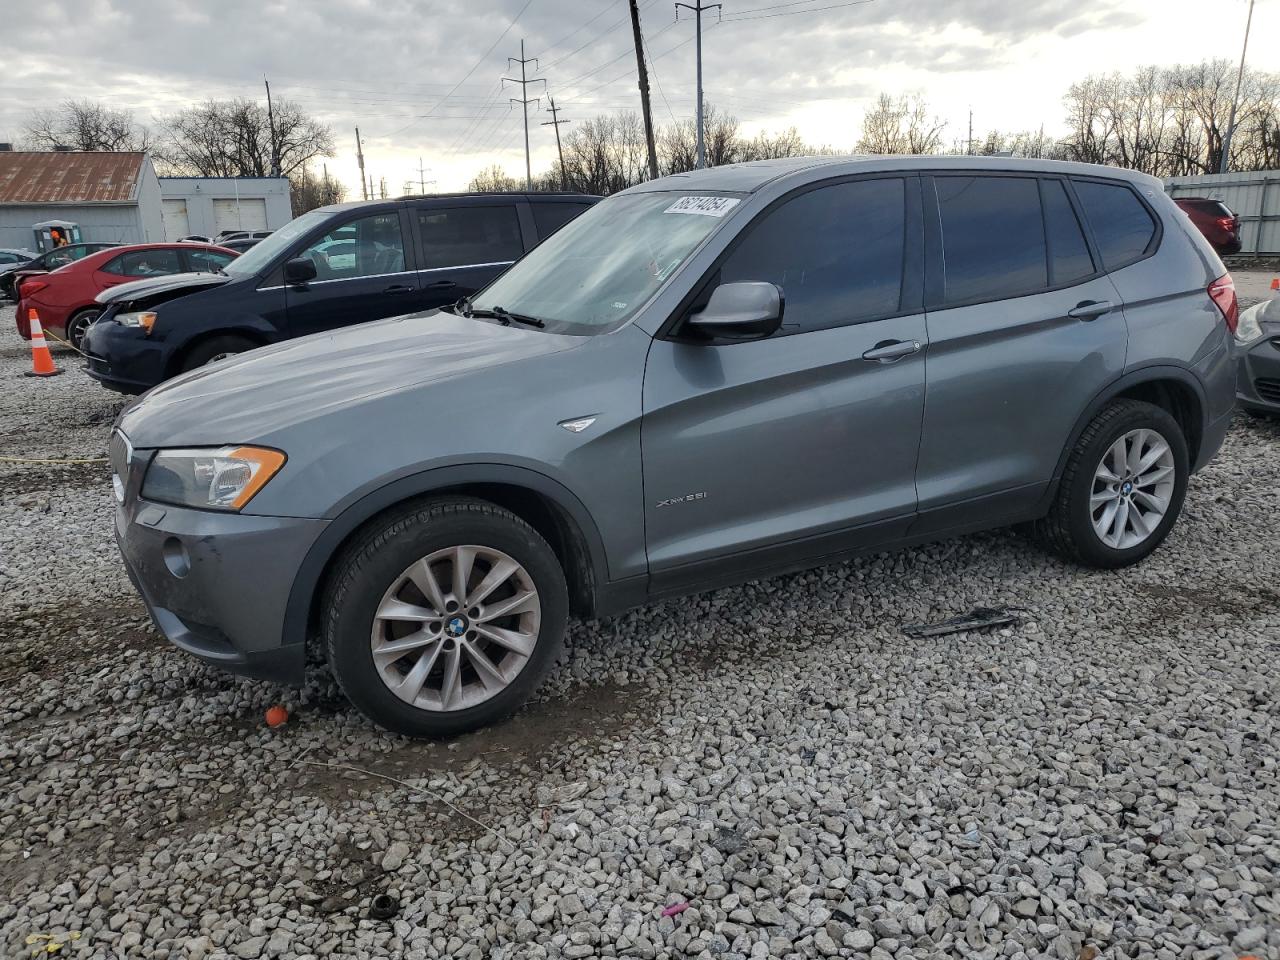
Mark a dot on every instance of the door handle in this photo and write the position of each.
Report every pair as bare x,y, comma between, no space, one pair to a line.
441,285
887,351
1090,309
398,288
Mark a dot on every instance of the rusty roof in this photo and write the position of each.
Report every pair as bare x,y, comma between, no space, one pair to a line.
69,177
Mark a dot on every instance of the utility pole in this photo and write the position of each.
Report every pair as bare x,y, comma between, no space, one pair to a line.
271,125
555,122
643,75
971,131
1231,122
697,9
382,186
524,101
364,186
372,195
422,177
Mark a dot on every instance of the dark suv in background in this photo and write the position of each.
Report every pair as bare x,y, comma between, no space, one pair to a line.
329,268
1214,219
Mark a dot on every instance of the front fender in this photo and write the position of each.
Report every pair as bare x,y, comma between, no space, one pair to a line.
353,514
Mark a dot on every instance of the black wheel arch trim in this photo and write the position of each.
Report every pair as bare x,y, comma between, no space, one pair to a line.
310,574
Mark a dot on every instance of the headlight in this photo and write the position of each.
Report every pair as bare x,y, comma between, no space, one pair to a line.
223,479
144,319
1250,326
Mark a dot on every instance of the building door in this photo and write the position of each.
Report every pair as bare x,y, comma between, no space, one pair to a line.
175,220
247,213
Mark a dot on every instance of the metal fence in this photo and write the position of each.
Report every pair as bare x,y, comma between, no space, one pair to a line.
1254,197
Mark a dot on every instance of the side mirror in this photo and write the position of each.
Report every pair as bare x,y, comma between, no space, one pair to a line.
740,311
299,270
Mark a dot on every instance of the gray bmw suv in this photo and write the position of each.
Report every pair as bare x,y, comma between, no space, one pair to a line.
705,379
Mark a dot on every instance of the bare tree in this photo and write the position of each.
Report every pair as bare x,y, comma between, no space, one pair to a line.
307,191
492,179
84,125
233,138
904,125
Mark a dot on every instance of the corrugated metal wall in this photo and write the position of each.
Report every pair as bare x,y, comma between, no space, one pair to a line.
1254,197
117,223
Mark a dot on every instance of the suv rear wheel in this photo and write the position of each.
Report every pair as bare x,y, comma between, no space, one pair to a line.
444,617
1122,489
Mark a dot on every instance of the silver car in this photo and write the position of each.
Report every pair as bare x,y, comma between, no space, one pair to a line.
707,378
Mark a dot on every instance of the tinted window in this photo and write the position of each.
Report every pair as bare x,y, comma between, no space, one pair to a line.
8,258
145,263
550,217
836,252
466,235
208,261
368,247
1122,228
1069,257
992,237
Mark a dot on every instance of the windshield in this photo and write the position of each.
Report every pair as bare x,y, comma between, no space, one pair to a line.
595,273
256,257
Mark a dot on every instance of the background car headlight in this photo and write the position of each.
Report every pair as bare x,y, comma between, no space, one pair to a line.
144,319
210,479
1249,327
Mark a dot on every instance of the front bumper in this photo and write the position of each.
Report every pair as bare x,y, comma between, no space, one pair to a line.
1258,372
123,358
216,584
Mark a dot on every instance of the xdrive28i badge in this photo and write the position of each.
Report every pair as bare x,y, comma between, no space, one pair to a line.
687,498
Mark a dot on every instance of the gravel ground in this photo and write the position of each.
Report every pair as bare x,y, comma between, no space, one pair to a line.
779,757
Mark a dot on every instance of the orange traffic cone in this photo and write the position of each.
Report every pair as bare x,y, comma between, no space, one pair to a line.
41,359
1275,284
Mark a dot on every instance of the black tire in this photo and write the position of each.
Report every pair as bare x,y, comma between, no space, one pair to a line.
1068,527
206,351
79,323
369,566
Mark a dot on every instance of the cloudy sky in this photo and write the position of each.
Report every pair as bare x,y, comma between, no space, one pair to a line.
422,78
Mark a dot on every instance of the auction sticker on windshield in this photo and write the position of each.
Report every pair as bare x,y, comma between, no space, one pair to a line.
704,206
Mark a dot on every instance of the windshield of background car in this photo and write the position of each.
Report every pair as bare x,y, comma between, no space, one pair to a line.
255,258
596,272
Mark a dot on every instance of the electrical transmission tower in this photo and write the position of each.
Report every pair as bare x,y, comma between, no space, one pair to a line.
555,121
524,101
698,8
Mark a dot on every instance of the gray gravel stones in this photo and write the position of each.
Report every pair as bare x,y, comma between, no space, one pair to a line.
778,756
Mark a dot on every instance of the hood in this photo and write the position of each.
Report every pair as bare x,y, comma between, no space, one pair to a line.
149,286
256,396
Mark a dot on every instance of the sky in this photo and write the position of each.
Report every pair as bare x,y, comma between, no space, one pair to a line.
423,78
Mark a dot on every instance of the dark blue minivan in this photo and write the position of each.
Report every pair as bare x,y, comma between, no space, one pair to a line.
329,268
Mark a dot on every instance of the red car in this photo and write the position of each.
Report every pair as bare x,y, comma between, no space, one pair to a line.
1215,220
64,299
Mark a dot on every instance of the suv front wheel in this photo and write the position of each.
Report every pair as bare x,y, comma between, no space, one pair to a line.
1122,489
444,617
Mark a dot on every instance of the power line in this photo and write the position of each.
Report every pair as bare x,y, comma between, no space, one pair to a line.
792,13
656,81
474,66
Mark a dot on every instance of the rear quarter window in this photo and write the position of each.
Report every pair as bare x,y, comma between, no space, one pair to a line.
1122,228
550,217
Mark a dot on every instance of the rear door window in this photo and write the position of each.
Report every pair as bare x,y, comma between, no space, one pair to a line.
550,217
145,263
1122,227
208,261
465,236
1069,257
837,252
993,238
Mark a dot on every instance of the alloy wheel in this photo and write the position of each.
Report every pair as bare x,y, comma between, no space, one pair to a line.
455,628
1132,489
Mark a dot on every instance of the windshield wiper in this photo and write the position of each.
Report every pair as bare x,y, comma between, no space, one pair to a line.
463,308
505,317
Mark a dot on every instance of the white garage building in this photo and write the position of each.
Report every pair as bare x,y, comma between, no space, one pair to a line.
207,206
